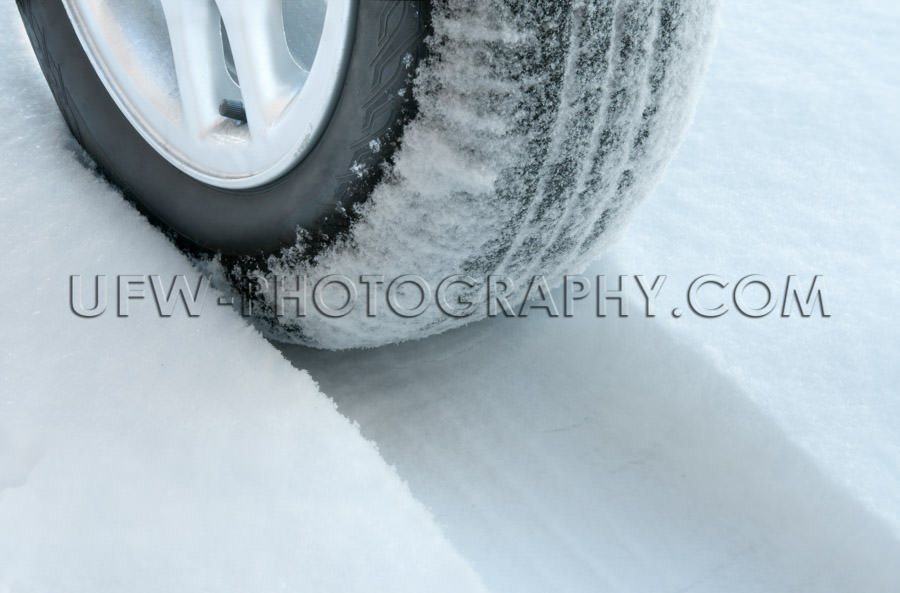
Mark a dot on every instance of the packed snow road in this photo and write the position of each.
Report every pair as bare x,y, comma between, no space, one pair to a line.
584,454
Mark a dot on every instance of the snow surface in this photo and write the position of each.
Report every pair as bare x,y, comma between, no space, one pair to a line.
792,168
155,455
585,456
686,454
627,455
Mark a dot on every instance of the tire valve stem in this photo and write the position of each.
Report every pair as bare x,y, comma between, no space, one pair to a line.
233,110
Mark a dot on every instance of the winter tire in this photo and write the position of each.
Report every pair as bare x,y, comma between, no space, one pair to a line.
539,125
133,81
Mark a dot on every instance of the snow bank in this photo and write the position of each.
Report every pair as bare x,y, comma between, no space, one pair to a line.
147,454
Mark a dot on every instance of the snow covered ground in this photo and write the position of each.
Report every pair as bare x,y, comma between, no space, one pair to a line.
154,455
690,454
792,168
634,455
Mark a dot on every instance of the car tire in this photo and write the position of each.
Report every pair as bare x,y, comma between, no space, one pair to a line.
541,125
374,103
538,126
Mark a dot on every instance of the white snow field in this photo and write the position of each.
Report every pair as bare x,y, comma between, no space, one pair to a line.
149,455
688,454
793,167
626,455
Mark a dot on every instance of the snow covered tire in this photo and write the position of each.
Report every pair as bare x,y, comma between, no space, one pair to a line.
541,123
531,130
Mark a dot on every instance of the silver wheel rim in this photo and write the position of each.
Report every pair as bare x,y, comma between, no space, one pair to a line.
232,92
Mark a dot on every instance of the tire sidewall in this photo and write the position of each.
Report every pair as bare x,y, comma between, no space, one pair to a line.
314,193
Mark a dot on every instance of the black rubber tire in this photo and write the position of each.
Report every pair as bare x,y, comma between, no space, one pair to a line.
314,195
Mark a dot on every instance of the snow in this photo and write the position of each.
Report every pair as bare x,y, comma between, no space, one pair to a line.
583,454
791,168
689,454
148,454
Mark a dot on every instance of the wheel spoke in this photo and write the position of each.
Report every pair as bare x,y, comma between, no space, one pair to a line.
267,74
233,93
195,36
